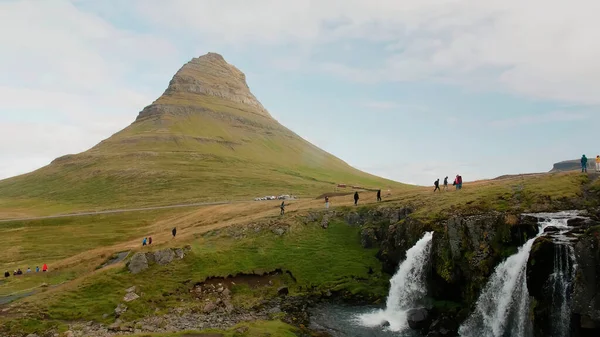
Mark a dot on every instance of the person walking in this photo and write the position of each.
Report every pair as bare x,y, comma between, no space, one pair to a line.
437,185
584,161
460,182
44,268
378,195
356,198
144,241
326,202
174,232
446,183
37,269
282,208
149,240
598,163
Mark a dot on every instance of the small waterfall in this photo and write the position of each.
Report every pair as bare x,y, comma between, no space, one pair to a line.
407,288
560,285
502,308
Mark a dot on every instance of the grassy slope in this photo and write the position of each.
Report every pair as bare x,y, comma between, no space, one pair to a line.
343,263
227,154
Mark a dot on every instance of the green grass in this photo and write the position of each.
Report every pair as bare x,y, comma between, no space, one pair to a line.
35,242
319,260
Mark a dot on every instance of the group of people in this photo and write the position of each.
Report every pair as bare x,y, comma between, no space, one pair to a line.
584,162
148,240
356,198
458,181
18,272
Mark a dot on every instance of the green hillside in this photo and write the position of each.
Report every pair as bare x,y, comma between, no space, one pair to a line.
205,139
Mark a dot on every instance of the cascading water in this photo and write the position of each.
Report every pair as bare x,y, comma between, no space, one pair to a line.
407,288
502,309
560,283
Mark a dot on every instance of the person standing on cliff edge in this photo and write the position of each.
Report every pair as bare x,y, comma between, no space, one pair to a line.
583,164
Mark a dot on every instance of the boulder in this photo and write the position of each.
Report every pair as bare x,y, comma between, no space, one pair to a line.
120,310
279,231
164,257
418,319
576,222
179,253
209,307
551,229
226,292
138,263
129,297
69,334
131,290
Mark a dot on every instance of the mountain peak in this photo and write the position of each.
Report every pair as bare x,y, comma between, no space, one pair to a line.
211,75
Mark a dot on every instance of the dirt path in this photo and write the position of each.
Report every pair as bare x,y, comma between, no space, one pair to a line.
121,211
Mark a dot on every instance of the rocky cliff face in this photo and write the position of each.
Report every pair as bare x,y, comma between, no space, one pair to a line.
208,75
586,293
465,252
572,165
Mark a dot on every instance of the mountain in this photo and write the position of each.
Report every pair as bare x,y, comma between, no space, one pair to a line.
206,138
571,165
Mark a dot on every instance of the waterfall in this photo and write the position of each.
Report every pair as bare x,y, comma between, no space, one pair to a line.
406,289
503,306
560,284
502,309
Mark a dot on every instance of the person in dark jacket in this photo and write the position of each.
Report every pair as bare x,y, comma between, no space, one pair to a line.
6,274
356,198
150,240
378,195
282,207
583,163
174,232
437,185
446,183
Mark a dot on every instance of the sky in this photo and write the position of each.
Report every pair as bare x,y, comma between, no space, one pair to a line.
412,90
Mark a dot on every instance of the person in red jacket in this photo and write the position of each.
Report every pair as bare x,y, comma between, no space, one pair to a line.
460,181
45,268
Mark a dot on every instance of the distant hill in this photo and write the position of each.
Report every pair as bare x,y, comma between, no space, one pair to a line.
206,138
571,165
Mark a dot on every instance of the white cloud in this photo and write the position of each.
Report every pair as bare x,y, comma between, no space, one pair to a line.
539,48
